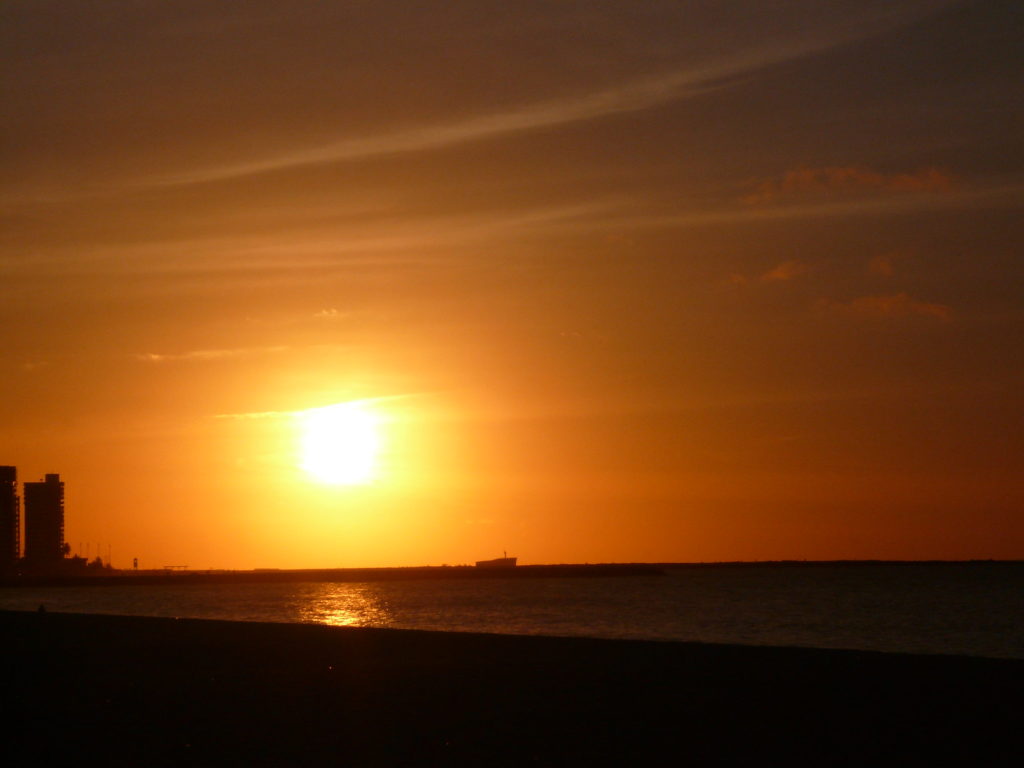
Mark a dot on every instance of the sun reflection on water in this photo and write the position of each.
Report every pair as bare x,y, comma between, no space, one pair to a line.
345,605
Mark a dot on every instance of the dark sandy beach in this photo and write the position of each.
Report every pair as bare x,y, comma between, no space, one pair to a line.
145,691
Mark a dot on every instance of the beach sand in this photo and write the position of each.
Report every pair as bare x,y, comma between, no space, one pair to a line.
148,691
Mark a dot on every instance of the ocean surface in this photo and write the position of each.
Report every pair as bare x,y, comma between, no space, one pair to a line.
969,608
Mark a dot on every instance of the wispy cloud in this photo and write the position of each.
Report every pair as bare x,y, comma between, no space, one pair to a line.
780,273
976,197
787,270
890,306
881,265
630,96
206,354
383,242
256,415
806,182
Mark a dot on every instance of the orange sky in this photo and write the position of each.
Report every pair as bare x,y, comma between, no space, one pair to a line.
622,281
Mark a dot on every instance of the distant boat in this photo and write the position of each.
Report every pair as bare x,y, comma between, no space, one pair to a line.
498,562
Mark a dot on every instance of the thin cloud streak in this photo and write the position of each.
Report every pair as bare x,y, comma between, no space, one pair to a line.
407,242
635,96
785,271
806,181
632,97
422,241
256,415
206,354
981,197
894,305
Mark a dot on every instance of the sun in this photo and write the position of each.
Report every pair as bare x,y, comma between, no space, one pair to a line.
340,443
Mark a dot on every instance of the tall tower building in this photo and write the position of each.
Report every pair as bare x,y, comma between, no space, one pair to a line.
44,520
10,519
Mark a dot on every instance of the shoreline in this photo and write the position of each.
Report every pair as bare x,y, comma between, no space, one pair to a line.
118,577
204,692
327,575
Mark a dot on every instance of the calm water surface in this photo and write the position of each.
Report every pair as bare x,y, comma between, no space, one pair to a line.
975,609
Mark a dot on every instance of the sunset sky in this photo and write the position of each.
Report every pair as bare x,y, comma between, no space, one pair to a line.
683,280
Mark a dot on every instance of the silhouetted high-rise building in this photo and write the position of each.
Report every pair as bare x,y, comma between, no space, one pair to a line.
44,520
10,519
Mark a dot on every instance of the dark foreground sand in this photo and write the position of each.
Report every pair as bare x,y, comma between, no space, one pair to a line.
141,691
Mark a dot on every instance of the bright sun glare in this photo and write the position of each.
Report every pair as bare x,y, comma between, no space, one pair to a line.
340,443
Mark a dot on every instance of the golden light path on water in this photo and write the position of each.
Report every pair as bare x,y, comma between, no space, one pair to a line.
345,605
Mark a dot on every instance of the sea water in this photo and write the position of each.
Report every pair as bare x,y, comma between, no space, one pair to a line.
970,608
